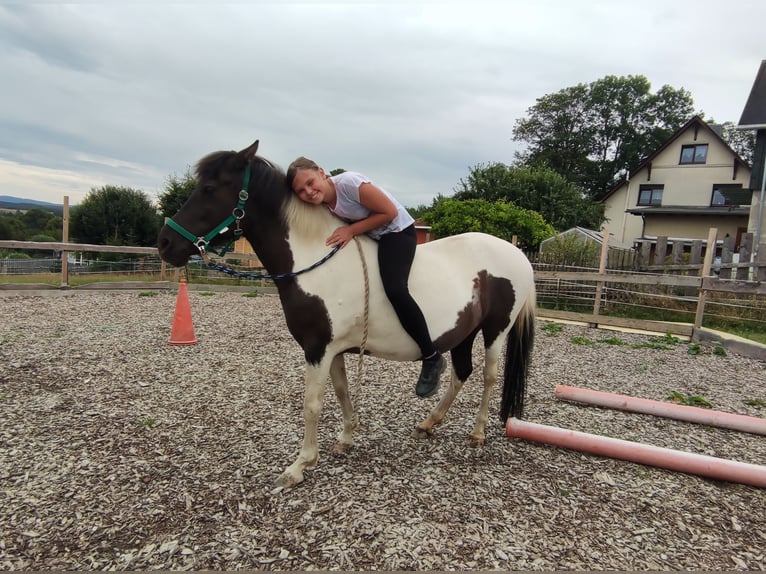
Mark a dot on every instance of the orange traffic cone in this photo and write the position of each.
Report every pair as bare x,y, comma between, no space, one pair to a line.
183,330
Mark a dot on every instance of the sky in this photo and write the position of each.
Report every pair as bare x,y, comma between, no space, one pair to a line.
413,94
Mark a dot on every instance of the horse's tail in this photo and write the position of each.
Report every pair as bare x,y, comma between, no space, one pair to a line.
517,355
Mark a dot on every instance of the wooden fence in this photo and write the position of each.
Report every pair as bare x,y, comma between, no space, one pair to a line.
705,272
673,256
592,290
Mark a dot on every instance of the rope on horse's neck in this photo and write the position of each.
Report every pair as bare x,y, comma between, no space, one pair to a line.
360,363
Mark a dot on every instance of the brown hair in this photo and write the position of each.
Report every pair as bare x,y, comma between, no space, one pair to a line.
296,166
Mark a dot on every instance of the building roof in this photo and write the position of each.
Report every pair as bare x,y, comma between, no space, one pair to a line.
722,211
696,120
754,114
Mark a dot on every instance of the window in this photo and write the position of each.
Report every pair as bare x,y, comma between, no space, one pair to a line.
693,153
730,194
650,194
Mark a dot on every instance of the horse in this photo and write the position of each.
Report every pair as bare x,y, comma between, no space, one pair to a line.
465,284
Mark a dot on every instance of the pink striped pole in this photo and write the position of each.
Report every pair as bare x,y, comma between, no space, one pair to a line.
680,461
733,421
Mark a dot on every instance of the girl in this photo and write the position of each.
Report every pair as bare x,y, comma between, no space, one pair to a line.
374,211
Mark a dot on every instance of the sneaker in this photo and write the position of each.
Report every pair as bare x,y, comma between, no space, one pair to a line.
428,382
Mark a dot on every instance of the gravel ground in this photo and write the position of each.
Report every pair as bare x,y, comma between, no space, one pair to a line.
120,451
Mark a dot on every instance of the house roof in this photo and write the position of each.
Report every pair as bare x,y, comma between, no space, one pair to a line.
723,211
754,114
696,120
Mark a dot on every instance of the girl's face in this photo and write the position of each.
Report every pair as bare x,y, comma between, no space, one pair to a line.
310,185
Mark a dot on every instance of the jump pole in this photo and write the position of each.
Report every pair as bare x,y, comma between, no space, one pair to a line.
699,415
680,461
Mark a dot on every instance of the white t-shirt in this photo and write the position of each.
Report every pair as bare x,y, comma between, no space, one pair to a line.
348,207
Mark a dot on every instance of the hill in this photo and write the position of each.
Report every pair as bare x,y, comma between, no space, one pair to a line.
10,203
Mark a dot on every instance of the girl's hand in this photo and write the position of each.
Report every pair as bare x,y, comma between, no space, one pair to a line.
340,237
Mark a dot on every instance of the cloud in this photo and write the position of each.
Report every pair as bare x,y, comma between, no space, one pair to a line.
412,94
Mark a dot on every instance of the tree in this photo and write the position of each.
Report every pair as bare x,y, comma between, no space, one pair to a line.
12,227
36,220
592,134
501,219
741,141
114,215
54,227
177,191
560,202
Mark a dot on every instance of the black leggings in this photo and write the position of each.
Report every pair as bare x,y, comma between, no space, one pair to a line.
395,254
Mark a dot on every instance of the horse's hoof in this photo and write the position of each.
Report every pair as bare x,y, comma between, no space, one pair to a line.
476,441
287,480
341,447
422,432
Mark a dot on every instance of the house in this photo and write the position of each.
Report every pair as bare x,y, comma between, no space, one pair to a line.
693,182
423,231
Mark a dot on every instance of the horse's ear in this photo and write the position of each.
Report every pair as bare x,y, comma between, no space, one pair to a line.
249,152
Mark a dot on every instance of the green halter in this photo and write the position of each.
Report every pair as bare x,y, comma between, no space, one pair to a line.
202,242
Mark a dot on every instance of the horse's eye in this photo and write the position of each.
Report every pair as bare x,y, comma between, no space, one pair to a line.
208,188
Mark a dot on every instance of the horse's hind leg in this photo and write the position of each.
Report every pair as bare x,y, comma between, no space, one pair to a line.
461,370
491,367
436,416
350,416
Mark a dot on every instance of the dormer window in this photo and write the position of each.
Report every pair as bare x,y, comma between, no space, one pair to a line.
691,154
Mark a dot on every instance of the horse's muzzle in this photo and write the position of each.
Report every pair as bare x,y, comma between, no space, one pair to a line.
174,249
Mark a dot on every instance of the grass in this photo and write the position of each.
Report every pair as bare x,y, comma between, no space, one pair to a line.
752,326
755,402
694,349
613,341
80,279
719,351
692,400
579,340
552,329
148,422
664,343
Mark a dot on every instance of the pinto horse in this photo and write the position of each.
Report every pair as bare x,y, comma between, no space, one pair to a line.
465,284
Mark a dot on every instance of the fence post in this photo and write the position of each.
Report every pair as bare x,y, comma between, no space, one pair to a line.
646,251
601,271
660,250
65,239
706,266
745,255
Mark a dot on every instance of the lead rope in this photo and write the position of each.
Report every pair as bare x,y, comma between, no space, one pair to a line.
360,363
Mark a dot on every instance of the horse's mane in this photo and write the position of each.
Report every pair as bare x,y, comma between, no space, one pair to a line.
313,222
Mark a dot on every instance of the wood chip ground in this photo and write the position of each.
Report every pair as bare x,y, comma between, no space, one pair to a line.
119,451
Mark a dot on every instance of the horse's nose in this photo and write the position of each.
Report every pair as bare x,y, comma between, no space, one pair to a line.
162,244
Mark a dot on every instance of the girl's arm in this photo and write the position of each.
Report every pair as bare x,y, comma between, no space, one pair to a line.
382,208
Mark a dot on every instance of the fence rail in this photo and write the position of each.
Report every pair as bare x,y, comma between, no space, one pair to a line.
593,292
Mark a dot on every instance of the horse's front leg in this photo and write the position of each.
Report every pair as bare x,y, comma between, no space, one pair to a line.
350,416
313,394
